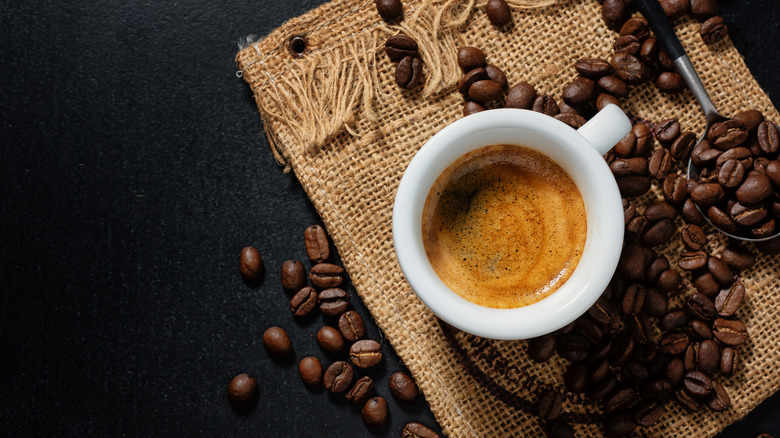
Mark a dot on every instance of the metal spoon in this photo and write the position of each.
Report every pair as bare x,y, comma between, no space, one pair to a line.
663,30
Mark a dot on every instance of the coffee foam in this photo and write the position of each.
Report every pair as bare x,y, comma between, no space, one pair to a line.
504,226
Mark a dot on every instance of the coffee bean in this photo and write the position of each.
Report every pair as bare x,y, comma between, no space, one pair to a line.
593,68
687,400
338,376
361,391
250,264
773,173
632,186
613,85
675,9
660,164
721,219
692,260
333,301
623,347
640,327
659,210
408,73
601,350
541,348
546,105
374,412
656,268
727,134
697,383
602,311
398,47
719,401
691,214
649,50
673,188
293,276
620,399
634,373
705,195
674,372
669,281
754,189
729,331
705,283
326,275
633,299
649,412
470,108
614,13
701,307
768,137
656,304
738,257
498,12
330,340
636,26
417,430
403,388
549,405
728,300
589,329
497,75
693,237
763,230
558,429
389,10
577,377
351,326
484,91
632,263
659,232
629,166
667,131
311,371
619,424
673,319
573,347
629,68
656,388
719,270
674,343
365,353
573,120
699,329
602,388
708,357
664,61
729,361
749,118
682,146
470,58
276,342
579,91
304,301
713,30
670,82
731,174
703,9
521,95
242,390
739,153
703,154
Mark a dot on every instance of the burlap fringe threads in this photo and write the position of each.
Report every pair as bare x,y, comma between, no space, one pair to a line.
318,99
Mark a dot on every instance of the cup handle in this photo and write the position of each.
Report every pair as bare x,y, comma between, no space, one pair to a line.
606,128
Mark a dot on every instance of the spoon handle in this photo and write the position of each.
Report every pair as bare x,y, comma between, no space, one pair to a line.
663,30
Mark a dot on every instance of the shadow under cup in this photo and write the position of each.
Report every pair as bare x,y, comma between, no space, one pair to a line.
603,207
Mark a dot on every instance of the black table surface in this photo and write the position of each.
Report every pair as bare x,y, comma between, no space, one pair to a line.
134,168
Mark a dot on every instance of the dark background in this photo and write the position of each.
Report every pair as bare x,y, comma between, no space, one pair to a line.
133,170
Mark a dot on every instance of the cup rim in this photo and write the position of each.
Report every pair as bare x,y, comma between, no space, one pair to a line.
551,313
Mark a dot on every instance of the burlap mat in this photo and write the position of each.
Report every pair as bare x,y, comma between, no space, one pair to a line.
336,119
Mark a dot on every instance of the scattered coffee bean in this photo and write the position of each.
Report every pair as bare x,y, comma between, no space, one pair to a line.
701,307
687,400
330,340
738,257
692,260
304,301
417,430
629,68
374,412
403,388
660,164
573,120
365,353
627,43
311,371
593,68
667,131
351,326
649,412
675,371
521,96
276,342
470,58
704,9
326,275
577,377
408,73
579,91
497,75
675,9
389,10
546,105
293,276
498,12
719,401
549,405
613,85
485,91
698,383
338,376
541,348
729,361
333,301
614,13
674,343
250,264
572,347
708,356
398,47
754,189
622,348
673,319
242,390
670,82
729,331
361,391
470,108
713,30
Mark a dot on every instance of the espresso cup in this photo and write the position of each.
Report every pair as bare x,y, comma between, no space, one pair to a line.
579,152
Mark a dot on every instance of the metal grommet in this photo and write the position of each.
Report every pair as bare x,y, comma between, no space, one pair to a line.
297,46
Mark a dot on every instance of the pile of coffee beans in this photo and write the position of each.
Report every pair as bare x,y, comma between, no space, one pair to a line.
344,341
713,28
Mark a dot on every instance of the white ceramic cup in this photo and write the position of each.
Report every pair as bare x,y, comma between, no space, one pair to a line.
579,152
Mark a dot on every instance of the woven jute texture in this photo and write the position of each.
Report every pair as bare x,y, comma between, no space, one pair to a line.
335,118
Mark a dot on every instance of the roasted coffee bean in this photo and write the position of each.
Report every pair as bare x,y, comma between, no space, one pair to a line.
389,10
549,406
403,388
640,327
361,391
673,319
398,47
627,43
763,230
674,343
649,50
656,388
250,264
656,268
750,119
417,430
333,301
708,356
713,30
330,340
577,377
589,329
705,195
408,73
541,348
660,164
659,210
768,137
242,390
739,153
760,163
731,174
304,301
719,270
496,75
682,146
719,400
692,260
545,105
326,275
629,166
338,376
621,399
470,58
703,154
521,95
721,219
675,9
634,373
701,307
351,326
565,108
498,12
276,342
699,329
754,189
697,383
667,131
664,61
573,347
689,359
729,361
674,189
293,276
691,214
629,68
317,246
311,371
669,281
602,311
601,369
706,284
727,134
485,91
687,400
729,331
659,232
602,349
656,304
573,120
602,388
703,9
619,424
374,412
636,26
633,299
649,412
632,186
613,85
674,372
365,353
693,237
558,429
670,82
579,91
621,350
593,68
635,230
614,13
626,147
470,108
773,173
738,257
